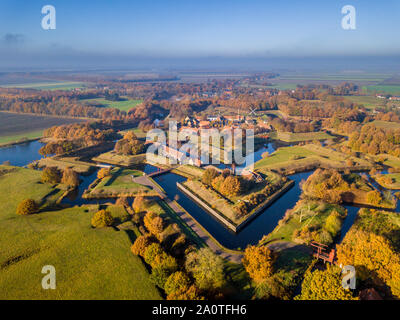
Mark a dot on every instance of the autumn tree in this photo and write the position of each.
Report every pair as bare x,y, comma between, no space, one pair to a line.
70,178
374,197
140,245
258,262
324,285
26,207
209,175
154,223
139,204
176,282
206,268
190,293
51,175
103,172
372,256
102,219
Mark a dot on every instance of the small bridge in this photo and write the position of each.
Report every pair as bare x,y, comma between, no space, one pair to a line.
159,172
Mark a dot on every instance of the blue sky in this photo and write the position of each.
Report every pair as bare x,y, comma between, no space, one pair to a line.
187,28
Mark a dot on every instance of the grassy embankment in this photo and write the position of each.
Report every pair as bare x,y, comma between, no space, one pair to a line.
119,184
120,160
306,215
300,158
63,163
123,105
299,137
388,181
84,258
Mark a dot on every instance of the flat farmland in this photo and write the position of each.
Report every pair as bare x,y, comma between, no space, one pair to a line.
123,105
63,85
14,127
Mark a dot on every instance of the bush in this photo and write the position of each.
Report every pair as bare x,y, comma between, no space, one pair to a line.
102,219
51,175
333,223
27,207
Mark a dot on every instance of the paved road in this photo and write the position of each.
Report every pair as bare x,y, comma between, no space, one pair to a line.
237,258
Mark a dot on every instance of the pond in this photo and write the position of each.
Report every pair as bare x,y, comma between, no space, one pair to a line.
21,154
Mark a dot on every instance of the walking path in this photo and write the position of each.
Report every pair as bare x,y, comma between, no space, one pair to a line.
186,218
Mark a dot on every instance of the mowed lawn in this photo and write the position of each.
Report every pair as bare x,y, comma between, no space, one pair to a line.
90,263
123,105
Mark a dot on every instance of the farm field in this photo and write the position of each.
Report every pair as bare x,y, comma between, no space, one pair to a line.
390,89
369,102
297,157
298,137
124,105
15,127
47,85
84,258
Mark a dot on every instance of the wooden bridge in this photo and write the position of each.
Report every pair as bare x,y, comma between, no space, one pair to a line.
159,172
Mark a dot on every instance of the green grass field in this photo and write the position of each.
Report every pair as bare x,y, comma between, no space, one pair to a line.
48,85
369,102
298,137
390,89
124,105
290,158
20,137
90,263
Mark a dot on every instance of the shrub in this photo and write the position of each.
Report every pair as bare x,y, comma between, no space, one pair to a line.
27,207
333,223
102,219
191,293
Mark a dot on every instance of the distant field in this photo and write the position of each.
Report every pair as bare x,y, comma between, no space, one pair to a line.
386,124
395,90
297,137
47,85
369,102
124,105
14,127
90,263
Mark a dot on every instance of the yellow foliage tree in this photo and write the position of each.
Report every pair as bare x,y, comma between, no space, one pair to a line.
258,262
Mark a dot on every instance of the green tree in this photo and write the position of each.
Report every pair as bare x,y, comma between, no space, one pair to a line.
207,269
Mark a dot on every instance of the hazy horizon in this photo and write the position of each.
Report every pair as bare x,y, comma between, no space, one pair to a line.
207,34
